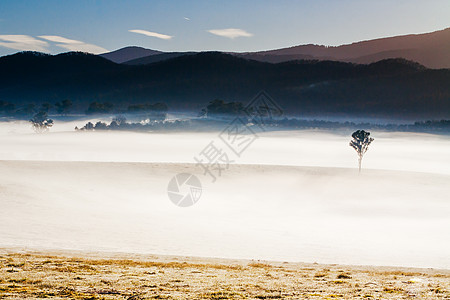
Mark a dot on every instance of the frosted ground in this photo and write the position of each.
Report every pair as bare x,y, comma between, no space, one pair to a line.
293,196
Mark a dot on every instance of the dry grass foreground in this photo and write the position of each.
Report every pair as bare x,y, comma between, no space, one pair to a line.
76,275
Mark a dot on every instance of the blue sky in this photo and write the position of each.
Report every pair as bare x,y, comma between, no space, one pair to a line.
96,26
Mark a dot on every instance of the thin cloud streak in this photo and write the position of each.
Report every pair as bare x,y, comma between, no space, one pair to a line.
23,43
151,34
94,49
59,39
73,45
230,33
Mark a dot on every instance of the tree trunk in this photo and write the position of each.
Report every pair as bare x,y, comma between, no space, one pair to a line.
359,164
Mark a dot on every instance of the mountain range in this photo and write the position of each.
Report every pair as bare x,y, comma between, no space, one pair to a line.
430,49
392,87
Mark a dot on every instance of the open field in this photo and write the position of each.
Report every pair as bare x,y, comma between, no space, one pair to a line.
292,197
277,213
77,275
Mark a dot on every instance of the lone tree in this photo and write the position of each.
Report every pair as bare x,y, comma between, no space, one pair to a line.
41,123
360,143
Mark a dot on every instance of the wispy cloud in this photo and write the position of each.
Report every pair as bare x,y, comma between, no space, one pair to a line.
230,33
152,34
29,43
23,43
73,45
59,39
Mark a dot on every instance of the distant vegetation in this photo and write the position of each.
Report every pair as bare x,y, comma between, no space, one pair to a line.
219,107
6,107
432,126
147,107
99,108
41,122
442,125
214,124
64,106
153,117
120,123
156,111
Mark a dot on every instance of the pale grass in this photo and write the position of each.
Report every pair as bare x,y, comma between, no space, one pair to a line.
35,275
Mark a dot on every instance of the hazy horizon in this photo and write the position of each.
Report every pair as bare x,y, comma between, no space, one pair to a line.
243,51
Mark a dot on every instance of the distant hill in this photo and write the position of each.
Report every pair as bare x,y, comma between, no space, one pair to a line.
157,57
430,49
128,53
394,87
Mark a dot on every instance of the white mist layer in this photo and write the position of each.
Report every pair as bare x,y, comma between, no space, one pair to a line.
390,151
320,213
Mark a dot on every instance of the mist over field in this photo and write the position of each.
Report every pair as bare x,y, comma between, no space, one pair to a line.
417,152
292,195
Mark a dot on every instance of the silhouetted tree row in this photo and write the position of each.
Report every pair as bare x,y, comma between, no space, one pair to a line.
64,106
156,111
99,108
207,124
6,107
442,126
41,122
219,107
148,111
10,109
120,123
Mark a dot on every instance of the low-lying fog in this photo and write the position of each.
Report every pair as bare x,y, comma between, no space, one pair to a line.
395,213
390,151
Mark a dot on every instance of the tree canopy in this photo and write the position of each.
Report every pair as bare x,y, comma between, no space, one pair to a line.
360,142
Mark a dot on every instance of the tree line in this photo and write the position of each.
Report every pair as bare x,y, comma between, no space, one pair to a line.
10,109
66,107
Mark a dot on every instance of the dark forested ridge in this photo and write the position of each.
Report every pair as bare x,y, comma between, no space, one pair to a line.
389,87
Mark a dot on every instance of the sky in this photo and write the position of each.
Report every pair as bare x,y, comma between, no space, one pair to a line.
54,26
